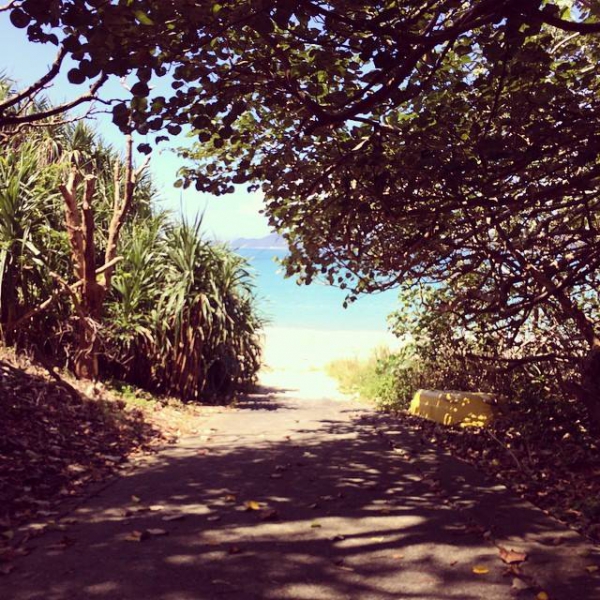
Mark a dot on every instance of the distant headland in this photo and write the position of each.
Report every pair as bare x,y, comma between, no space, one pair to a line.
273,241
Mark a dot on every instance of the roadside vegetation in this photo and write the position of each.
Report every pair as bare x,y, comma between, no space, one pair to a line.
117,321
540,445
94,278
60,437
373,379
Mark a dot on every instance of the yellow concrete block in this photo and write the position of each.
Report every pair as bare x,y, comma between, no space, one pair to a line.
467,409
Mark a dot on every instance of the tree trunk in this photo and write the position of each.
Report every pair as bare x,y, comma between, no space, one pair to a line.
80,227
87,292
589,391
90,315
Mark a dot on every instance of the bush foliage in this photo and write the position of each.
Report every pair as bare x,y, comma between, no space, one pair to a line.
179,315
440,352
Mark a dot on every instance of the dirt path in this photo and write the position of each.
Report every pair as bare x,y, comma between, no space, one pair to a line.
350,506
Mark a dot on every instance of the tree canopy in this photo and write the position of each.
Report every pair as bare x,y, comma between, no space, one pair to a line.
329,60
403,142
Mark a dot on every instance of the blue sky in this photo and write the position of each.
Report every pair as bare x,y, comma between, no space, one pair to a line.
225,218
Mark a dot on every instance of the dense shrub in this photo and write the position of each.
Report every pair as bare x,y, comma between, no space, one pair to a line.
180,315
530,372
183,317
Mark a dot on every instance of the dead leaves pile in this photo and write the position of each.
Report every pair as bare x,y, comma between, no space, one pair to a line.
54,443
551,462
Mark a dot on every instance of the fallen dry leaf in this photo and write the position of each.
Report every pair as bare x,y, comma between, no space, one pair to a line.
542,596
63,544
592,568
157,532
315,525
512,570
511,557
480,570
519,585
252,505
222,582
136,536
269,515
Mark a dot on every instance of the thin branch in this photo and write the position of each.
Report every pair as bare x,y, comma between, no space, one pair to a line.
35,311
39,357
568,25
39,84
517,362
8,6
109,265
90,95
519,464
90,113
64,288
121,206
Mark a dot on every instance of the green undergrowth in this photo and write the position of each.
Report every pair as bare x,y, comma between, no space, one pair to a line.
384,378
539,445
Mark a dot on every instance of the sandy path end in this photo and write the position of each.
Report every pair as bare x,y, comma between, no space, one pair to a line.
295,359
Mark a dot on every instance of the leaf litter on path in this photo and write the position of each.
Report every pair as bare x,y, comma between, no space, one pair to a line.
142,535
169,518
480,570
269,515
511,557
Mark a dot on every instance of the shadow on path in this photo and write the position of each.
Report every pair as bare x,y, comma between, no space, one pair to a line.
351,507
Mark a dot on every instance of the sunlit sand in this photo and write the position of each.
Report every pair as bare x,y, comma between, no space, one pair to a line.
294,359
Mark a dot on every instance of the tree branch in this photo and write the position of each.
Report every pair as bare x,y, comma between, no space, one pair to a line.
61,108
121,207
73,222
8,6
38,85
559,23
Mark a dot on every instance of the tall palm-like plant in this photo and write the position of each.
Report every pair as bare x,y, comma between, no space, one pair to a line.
27,194
99,276
184,313
130,348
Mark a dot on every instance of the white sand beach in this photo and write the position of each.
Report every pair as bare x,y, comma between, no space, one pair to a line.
294,359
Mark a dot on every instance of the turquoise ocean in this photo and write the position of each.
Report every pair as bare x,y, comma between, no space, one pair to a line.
316,306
